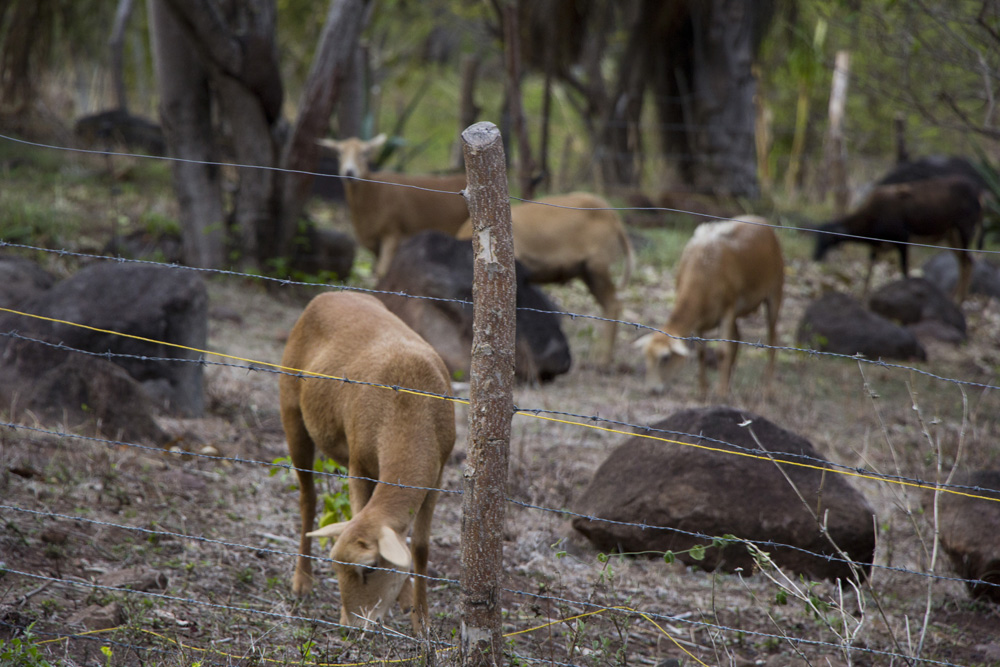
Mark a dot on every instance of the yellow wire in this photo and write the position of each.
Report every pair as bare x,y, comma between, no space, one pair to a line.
810,466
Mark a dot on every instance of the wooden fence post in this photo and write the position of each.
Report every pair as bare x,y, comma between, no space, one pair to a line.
491,400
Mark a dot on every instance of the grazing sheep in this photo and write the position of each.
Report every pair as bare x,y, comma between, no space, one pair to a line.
395,436
947,207
726,271
388,207
574,235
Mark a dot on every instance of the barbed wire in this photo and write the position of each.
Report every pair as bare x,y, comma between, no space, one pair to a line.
442,645
637,325
301,172
590,421
560,511
352,288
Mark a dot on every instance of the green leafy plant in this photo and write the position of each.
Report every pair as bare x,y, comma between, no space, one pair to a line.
336,502
22,651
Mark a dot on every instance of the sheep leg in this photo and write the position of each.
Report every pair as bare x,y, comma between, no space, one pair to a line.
602,287
871,267
731,333
773,306
702,371
386,251
303,453
904,263
964,275
416,596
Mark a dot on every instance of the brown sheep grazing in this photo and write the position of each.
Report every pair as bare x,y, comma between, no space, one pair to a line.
575,235
388,433
726,271
387,207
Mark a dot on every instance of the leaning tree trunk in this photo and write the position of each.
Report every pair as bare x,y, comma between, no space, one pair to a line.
330,69
185,113
232,45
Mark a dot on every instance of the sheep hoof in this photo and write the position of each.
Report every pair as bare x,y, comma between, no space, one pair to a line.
302,584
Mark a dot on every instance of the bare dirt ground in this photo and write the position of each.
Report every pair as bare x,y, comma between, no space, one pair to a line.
218,532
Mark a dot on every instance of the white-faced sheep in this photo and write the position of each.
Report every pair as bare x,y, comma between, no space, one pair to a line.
725,272
947,207
387,207
574,235
398,437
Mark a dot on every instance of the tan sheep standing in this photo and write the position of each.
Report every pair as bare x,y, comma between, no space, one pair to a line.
388,207
568,236
726,271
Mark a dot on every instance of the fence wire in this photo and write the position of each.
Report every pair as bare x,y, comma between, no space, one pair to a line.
561,416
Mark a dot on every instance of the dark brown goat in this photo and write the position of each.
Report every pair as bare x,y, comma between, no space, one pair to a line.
895,215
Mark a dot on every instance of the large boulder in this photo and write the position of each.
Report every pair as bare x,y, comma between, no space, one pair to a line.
915,300
150,315
83,393
436,265
837,323
651,495
942,270
21,279
970,531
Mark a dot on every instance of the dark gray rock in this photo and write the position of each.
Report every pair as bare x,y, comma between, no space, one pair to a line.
79,392
915,300
660,486
319,250
135,302
437,265
942,270
837,323
21,279
970,531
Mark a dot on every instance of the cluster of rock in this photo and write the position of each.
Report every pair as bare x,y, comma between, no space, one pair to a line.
137,360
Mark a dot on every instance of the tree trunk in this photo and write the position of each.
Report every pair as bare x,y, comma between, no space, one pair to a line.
330,68
232,45
837,155
722,132
185,112
467,108
117,46
704,93
512,57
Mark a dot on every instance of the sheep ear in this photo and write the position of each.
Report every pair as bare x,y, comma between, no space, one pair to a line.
679,348
333,530
329,143
642,342
393,548
376,142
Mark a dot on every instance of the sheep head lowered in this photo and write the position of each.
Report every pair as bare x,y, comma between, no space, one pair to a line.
726,271
394,443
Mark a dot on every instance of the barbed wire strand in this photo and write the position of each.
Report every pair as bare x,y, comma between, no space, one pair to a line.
305,373
213,163
595,419
404,389
444,646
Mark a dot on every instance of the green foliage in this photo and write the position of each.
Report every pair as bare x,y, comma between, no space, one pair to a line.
22,651
336,503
